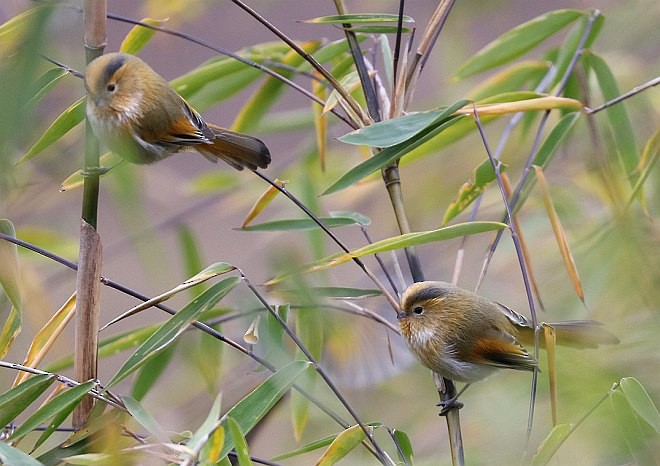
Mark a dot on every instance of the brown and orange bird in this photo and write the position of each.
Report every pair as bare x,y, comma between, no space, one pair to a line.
138,116
465,337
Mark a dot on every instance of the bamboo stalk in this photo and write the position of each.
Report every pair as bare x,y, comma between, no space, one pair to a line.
90,254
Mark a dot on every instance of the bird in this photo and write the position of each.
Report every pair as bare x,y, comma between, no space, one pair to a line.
466,337
138,116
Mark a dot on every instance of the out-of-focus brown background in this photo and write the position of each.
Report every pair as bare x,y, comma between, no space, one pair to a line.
140,250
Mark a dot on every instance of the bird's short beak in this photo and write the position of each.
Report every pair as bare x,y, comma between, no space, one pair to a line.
400,315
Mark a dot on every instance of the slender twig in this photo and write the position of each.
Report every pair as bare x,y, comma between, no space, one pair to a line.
66,381
328,381
630,93
393,302
352,103
235,56
386,272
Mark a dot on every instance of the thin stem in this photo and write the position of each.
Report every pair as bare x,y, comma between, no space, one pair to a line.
630,93
380,453
386,272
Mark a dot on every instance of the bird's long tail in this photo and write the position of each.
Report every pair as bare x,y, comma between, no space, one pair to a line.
238,150
574,333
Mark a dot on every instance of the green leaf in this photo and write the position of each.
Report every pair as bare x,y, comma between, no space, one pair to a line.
139,36
649,158
251,409
315,445
405,446
151,371
240,444
14,401
388,133
547,151
10,281
622,130
204,431
299,224
62,403
551,444
640,402
145,419
378,29
45,83
359,218
510,79
483,175
15,457
359,18
173,327
517,41
630,428
393,153
399,242
67,120
341,446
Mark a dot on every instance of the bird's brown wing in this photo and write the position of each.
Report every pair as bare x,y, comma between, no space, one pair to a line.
499,349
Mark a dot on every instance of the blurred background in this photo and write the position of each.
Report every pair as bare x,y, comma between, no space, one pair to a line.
144,210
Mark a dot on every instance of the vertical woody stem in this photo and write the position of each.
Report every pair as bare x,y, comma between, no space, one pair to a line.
89,258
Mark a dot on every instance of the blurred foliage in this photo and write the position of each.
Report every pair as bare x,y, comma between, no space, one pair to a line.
212,377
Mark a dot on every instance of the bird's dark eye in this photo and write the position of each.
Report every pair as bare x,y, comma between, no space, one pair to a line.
418,310
111,87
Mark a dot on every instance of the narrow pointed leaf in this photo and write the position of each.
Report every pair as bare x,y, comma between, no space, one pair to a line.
70,118
211,271
622,130
145,419
264,200
332,292
203,433
44,339
629,426
560,236
350,83
320,121
139,36
341,446
510,79
15,401
64,402
300,224
640,402
399,242
240,444
649,158
311,446
405,446
10,276
15,457
173,327
359,18
551,444
470,190
251,409
45,83
517,41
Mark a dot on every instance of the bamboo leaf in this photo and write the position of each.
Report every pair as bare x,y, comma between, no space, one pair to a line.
315,445
15,457
359,18
517,41
45,83
300,224
560,236
510,79
15,401
139,36
630,428
398,242
211,271
64,402
551,444
67,120
10,281
145,419
45,338
483,175
342,445
240,444
405,446
622,130
649,158
331,292
260,204
251,409
640,402
173,327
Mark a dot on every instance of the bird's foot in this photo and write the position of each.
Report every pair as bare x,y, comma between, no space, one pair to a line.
95,171
448,405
